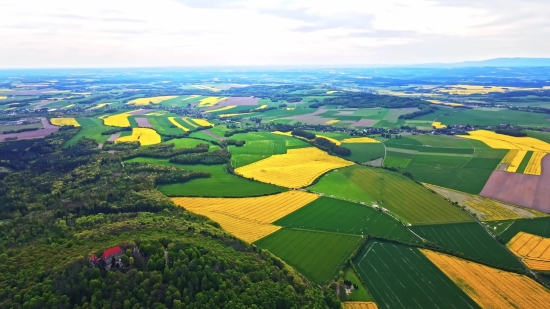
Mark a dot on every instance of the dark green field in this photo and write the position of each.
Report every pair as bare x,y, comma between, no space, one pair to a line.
327,214
398,276
495,117
221,184
410,201
254,151
164,126
318,255
543,136
536,226
471,239
364,152
90,128
524,162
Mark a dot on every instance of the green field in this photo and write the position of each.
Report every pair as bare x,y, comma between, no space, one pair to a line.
495,117
163,126
254,151
410,201
471,239
90,128
543,136
317,255
327,214
37,125
398,276
536,226
360,294
202,135
221,184
366,152
524,162
188,143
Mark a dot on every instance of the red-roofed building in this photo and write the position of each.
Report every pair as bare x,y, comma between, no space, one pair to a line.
112,251
107,257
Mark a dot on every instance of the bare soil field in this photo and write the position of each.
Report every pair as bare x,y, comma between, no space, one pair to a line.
312,118
141,111
41,104
143,123
521,189
213,135
48,129
364,123
114,137
237,101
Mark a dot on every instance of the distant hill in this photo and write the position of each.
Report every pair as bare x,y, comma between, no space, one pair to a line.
497,62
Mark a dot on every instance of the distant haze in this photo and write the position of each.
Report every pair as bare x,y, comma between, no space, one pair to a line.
161,33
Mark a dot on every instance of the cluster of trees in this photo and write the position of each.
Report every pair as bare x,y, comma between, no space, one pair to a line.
221,156
423,111
239,131
274,93
20,130
164,174
329,146
234,142
164,151
511,132
304,134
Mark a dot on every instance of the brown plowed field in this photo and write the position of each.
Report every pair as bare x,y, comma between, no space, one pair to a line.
141,111
48,129
114,137
143,123
521,189
364,123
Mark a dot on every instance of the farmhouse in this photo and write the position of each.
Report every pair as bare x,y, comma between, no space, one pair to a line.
106,258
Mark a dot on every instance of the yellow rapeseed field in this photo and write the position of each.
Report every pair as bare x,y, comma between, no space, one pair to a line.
332,121
283,133
151,100
68,106
190,97
332,91
359,140
119,120
512,153
490,287
221,109
501,141
100,105
174,122
444,103
261,107
359,305
64,122
534,167
3,97
516,161
189,122
248,218
202,122
337,142
533,249
232,115
211,101
295,169
438,125
471,89
290,108
144,136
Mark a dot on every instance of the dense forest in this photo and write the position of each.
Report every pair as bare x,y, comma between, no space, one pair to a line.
60,205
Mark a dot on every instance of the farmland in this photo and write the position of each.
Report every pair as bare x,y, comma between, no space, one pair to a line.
90,128
398,276
490,287
469,239
414,204
331,215
144,136
64,122
317,255
295,169
532,249
536,226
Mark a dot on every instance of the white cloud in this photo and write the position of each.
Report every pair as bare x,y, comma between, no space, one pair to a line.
126,33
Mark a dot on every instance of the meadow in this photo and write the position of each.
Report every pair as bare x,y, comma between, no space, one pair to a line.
317,255
470,239
398,276
89,128
364,152
332,215
413,203
494,117
221,183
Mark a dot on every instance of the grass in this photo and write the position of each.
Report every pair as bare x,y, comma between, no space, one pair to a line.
398,276
396,162
360,294
189,143
471,239
410,201
221,184
37,125
255,150
327,214
164,126
536,226
364,152
319,256
524,162
90,128
483,117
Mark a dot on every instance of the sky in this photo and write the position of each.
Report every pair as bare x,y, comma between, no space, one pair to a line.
165,33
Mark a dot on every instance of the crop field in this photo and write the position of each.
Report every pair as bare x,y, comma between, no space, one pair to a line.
516,161
535,226
247,218
144,136
202,122
359,305
493,117
118,120
364,152
255,151
295,169
220,109
210,101
409,200
357,295
289,141
534,250
332,215
534,167
490,287
164,125
190,122
60,122
177,124
189,143
495,140
150,100
221,184
438,125
90,128
317,255
398,276
543,136
471,239
361,140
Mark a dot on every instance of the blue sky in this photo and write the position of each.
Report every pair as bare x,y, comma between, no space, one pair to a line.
136,33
